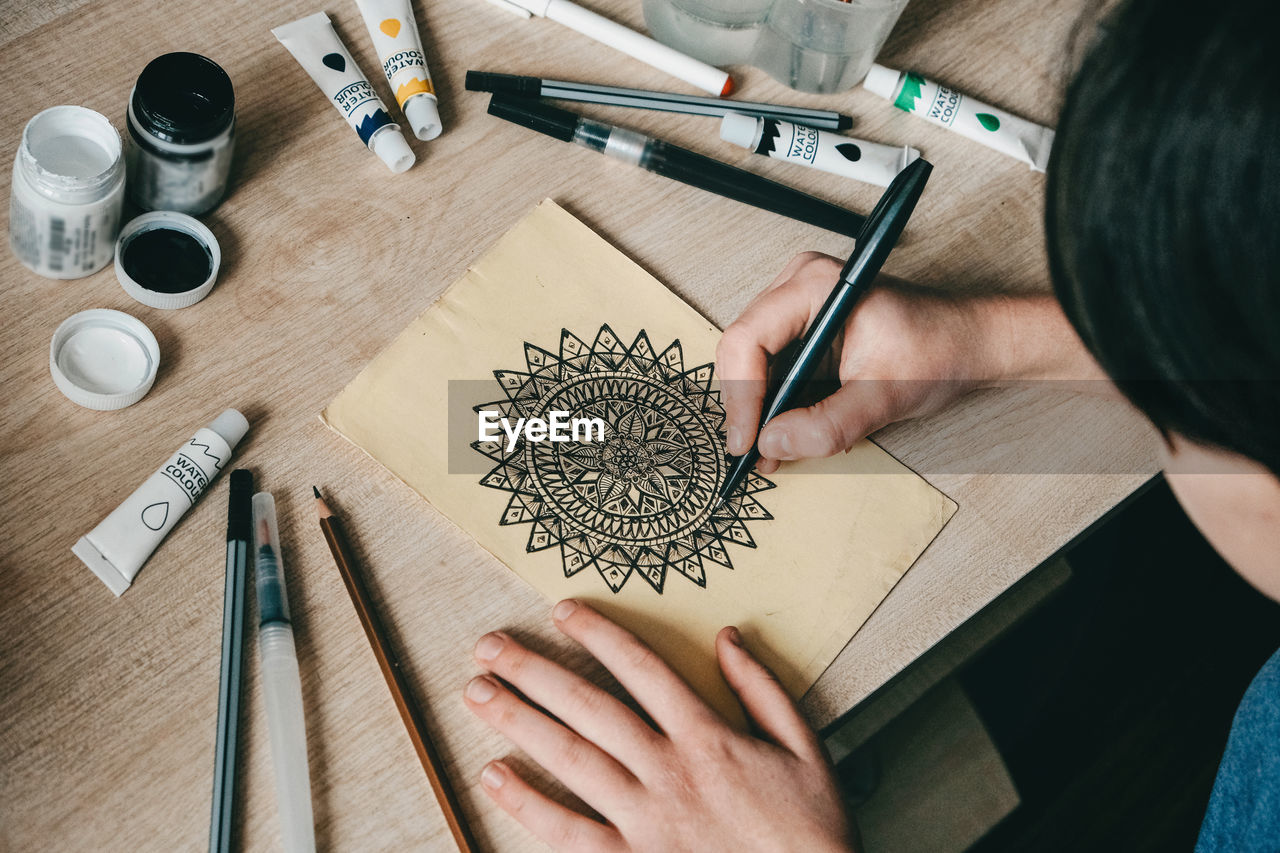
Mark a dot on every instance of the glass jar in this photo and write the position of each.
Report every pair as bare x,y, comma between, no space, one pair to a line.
181,121
719,32
824,45
67,192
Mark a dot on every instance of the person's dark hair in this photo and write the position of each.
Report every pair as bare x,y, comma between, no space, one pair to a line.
1163,216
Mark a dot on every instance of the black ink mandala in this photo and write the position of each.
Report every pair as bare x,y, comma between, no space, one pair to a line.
644,499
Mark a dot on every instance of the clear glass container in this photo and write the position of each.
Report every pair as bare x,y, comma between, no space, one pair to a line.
823,45
719,32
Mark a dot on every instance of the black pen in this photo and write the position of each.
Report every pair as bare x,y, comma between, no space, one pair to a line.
643,99
873,245
239,539
678,163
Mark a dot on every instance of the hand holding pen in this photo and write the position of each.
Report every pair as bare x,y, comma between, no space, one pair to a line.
764,331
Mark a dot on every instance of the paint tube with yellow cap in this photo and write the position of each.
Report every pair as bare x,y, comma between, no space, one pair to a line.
395,36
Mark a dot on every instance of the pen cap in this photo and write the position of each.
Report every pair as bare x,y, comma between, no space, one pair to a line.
740,129
505,84
535,115
273,603
240,506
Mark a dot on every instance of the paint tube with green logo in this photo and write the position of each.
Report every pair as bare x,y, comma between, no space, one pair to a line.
994,128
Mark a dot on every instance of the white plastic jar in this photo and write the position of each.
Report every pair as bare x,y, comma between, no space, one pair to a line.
68,188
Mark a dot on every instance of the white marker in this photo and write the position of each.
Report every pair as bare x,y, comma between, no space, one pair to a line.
700,74
994,128
819,149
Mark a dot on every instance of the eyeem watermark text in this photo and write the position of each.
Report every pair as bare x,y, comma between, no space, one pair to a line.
557,426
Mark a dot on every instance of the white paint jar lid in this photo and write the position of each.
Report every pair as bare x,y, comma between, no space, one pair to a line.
103,359
169,220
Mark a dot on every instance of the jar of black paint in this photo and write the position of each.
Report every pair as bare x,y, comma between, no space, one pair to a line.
181,122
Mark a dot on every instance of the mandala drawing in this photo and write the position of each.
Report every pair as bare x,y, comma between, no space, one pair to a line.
645,498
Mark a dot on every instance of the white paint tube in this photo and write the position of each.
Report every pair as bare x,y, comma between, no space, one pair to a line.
315,44
994,128
395,36
819,149
116,549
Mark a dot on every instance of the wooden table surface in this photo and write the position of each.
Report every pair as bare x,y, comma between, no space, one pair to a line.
107,706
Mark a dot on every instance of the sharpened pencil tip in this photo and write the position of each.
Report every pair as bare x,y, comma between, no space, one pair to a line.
316,492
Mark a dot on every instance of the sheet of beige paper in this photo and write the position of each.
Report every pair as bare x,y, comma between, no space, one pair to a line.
844,530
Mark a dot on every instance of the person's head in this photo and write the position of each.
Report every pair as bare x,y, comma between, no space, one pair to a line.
1163,229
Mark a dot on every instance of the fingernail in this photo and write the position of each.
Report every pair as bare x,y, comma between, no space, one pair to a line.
768,443
776,444
735,636
481,689
492,776
490,646
564,610
734,442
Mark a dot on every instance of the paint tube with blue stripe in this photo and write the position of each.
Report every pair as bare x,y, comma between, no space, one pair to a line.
994,128
315,44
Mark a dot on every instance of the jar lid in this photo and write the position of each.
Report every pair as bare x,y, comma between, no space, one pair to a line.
183,98
166,259
103,359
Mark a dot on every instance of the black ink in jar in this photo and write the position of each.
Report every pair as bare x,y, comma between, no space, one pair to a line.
181,122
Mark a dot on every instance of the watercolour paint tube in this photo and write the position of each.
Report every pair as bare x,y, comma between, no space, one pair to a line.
870,162
315,44
116,549
1021,139
395,36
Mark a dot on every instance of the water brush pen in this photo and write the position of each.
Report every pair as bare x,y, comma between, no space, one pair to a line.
678,163
281,684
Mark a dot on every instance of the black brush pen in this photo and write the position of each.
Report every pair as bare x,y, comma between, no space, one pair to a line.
239,539
873,245
677,163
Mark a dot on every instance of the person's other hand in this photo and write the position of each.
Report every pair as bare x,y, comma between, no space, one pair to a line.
690,784
904,352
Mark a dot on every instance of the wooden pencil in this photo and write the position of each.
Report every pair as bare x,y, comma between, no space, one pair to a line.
390,664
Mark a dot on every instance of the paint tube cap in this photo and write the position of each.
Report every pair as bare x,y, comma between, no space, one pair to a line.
160,282
881,81
390,146
103,359
423,114
740,130
231,426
